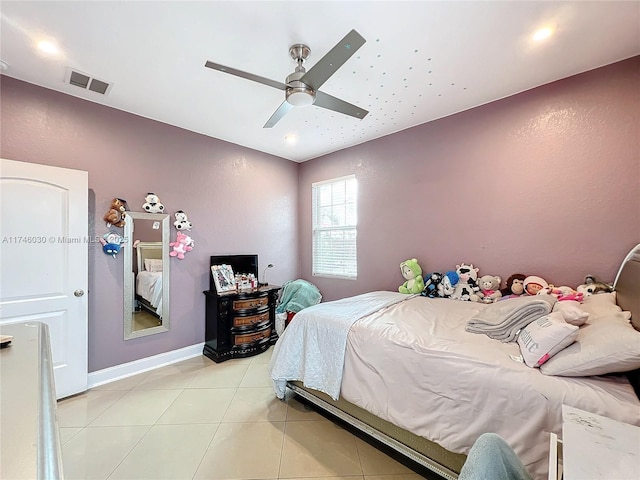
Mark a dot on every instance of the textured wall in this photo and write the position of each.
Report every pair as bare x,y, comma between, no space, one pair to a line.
546,182
239,200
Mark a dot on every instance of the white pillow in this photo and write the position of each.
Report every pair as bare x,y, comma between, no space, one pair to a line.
544,337
571,312
153,264
602,305
604,345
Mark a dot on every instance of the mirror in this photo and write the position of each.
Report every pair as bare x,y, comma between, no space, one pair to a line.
146,274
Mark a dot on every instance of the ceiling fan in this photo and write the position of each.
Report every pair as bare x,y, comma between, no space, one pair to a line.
301,87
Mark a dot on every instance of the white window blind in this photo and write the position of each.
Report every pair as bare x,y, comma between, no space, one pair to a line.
335,219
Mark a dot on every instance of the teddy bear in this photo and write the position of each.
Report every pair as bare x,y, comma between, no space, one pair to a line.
182,223
182,245
447,284
592,287
116,215
467,287
152,204
489,288
111,242
412,273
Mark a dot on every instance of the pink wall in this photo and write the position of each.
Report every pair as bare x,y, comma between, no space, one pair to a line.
546,182
127,156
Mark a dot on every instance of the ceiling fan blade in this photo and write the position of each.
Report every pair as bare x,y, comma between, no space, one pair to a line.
282,110
248,76
332,61
332,103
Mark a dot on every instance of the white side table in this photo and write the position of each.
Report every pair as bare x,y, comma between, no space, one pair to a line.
598,448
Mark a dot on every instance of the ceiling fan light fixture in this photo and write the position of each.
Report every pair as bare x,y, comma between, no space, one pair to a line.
300,97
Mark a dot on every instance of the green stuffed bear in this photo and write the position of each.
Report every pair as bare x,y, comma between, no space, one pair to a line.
412,272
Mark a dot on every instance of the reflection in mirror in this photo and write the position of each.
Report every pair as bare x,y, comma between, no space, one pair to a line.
146,274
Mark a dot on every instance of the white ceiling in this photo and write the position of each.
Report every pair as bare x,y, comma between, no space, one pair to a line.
421,60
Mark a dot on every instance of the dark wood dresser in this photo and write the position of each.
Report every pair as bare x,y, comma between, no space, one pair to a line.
240,323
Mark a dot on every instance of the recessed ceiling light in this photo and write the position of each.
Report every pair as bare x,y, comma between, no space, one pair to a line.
48,47
542,34
291,139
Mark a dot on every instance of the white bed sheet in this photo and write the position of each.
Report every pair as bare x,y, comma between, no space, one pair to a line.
312,347
149,287
416,366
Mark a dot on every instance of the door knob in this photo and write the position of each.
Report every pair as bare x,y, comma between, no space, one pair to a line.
78,293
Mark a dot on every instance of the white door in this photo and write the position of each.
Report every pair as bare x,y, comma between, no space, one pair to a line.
43,269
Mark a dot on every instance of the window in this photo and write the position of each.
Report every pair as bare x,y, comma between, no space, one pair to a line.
335,219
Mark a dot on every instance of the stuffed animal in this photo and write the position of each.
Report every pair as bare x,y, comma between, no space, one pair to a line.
447,284
183,244
116,215
182,223
562,293
111,242
489,288
465,292
468,274
431,282
592,287
467,287
515,286
412,273
533,284
152,204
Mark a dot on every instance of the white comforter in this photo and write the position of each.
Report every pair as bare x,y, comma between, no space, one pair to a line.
149,287
312,347
414,365
450,385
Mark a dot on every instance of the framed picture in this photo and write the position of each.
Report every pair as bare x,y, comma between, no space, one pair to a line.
223,277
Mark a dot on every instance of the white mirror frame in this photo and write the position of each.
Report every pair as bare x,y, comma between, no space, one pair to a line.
129,280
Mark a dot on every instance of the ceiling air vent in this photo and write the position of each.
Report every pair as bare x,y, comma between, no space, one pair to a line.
87,82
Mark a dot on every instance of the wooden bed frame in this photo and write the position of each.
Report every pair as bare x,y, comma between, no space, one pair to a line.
429,454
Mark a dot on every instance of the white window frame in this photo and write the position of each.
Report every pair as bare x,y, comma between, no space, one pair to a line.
340,260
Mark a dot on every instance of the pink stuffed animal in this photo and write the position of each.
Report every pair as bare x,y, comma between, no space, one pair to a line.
182,245
563,293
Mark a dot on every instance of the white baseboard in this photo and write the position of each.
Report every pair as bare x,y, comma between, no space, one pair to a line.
118,372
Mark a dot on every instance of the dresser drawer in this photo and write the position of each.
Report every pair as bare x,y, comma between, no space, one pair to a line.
247,321
251,303
248,338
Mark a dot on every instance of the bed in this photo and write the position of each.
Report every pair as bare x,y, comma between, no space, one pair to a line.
405,370
148,293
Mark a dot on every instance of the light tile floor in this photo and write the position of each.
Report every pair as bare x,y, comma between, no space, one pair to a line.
201,420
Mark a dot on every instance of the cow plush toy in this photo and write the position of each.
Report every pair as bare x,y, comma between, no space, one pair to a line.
467,287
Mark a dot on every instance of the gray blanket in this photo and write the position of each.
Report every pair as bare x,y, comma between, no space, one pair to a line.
502,320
